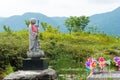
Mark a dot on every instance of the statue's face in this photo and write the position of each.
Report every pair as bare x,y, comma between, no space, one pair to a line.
33,20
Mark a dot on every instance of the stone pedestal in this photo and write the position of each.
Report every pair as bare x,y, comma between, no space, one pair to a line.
35,64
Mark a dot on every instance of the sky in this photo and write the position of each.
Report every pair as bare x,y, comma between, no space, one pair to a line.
61,8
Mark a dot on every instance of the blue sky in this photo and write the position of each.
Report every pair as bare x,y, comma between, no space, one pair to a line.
57,7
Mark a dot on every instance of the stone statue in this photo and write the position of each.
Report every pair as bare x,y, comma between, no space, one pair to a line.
34,44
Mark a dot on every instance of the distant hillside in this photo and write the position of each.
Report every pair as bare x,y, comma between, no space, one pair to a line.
17,22
1,18
108,22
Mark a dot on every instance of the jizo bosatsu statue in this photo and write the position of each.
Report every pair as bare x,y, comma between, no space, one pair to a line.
34,44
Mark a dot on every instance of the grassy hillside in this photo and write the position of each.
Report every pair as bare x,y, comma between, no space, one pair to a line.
65,51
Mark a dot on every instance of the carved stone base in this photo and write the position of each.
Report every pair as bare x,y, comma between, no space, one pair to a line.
31,54
35,64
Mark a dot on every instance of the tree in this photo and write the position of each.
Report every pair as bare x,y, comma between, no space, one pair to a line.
44,25
7,29
27,22
84,21
52,29
92,29
49,28
76,24
69,24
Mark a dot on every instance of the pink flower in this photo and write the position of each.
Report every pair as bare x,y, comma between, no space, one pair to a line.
101,59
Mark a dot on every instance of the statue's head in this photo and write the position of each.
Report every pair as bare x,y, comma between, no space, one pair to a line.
32,20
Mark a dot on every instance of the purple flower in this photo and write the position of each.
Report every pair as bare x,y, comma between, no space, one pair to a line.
116,59
87,64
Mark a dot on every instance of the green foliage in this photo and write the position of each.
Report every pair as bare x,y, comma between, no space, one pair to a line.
49,28
76,24
9,69
12,49
44,25
27,22
7,29
65,51
92,29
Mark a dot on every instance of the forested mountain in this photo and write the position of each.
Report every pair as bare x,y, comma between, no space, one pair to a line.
17,22
108,22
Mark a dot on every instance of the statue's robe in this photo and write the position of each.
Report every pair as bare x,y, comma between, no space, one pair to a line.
33,33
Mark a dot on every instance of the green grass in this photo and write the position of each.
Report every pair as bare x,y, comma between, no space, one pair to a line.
64,50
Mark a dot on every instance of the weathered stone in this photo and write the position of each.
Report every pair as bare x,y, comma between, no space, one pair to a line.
47,74
38,53
114,75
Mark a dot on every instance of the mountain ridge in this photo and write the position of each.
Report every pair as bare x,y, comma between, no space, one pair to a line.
108,22
18,20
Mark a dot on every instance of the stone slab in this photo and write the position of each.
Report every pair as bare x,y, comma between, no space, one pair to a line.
35,64
114,75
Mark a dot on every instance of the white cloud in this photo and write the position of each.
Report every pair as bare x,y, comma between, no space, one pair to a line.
103,1
57,7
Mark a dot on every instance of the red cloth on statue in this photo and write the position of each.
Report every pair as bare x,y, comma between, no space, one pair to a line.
34,28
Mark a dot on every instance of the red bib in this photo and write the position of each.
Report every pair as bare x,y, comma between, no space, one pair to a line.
34,29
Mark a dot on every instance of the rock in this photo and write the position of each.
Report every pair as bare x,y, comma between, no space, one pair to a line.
47,74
